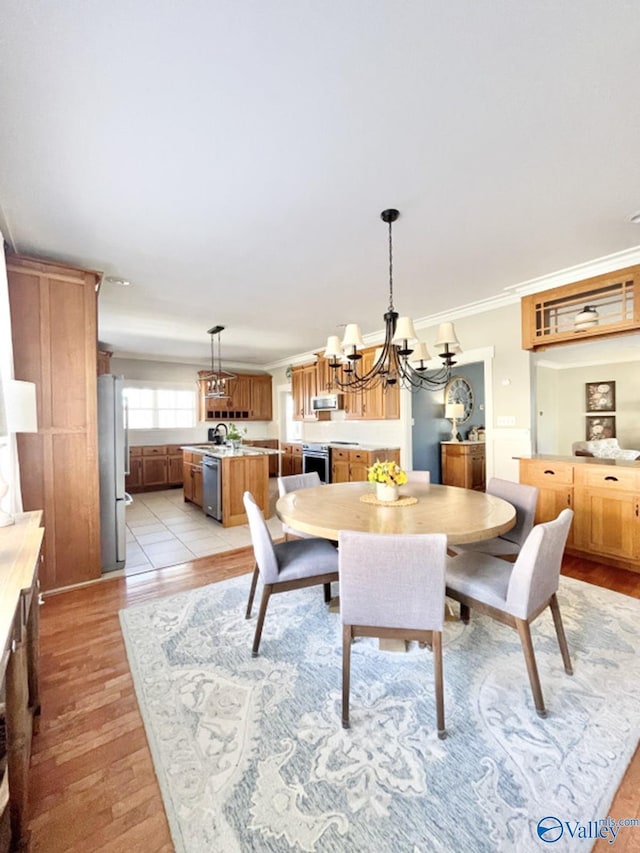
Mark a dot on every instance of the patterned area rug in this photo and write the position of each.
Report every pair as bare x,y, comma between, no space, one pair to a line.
251,756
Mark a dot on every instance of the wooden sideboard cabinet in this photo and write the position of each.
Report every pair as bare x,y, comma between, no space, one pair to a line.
605,497
464,464
20,561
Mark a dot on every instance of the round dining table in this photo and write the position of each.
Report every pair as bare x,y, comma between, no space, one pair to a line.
462,514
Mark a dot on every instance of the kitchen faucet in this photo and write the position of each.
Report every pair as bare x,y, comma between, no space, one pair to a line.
217,436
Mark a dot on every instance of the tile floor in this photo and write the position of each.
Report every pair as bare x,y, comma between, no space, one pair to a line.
163,530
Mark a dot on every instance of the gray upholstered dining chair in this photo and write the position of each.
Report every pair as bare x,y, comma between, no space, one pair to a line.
507,546
286,565
392,586
288,484
417,476
516,594
293,483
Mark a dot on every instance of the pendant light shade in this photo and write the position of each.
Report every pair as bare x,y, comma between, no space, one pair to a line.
220,382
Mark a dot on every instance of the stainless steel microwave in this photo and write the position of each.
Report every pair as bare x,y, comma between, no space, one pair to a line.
327,403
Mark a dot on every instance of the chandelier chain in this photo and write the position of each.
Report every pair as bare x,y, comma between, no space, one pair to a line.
390,268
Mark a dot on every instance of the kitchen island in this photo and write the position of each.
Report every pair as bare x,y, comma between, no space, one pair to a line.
217,476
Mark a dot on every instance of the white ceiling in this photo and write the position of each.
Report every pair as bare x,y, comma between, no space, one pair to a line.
231,158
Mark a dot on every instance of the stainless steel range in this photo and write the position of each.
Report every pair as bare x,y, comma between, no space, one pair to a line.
316,457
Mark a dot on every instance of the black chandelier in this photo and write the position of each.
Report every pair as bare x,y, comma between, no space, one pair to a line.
402,359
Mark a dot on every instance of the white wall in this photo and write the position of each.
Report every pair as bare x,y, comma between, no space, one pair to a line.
178,376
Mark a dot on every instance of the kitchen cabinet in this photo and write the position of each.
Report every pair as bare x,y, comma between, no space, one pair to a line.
607,507
242,474
304,388
133,481
605,497
350,466
463,464
155,466
54,335
272,444
291,459
309,380
261,398
250,399
192,477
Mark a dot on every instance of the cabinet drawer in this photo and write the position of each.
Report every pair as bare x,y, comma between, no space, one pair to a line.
297,450
476,452
340,454
155,450
608,477
135,451
173,449
546,473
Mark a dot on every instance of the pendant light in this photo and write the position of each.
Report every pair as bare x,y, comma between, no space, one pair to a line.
219,382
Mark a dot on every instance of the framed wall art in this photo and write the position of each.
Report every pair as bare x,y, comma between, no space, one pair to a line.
603,426
600,396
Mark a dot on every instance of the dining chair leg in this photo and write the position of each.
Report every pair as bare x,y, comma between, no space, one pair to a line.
436,640
252,591
465,613
524,632
327,593
562,640
266,592
346,673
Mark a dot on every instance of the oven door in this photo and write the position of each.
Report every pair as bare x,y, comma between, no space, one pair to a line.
314,461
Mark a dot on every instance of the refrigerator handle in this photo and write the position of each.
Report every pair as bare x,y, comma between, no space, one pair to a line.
125,404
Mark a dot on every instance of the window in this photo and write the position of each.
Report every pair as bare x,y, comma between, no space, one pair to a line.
160,408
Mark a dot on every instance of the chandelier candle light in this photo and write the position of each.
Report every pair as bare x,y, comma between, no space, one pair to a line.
402,359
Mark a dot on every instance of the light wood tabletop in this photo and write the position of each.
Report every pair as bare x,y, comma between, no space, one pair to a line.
464,515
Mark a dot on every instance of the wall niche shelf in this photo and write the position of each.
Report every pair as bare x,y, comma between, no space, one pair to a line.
557,317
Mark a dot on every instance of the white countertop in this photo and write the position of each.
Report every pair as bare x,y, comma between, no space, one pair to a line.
221,451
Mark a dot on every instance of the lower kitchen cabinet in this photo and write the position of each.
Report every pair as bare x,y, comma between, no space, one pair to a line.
156,466
350,466
272,444
463,464
192,477
291,459
605,497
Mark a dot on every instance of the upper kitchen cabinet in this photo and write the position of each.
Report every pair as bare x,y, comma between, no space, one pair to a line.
308,380
54,334
249,399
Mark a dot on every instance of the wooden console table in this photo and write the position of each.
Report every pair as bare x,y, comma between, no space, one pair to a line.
20,546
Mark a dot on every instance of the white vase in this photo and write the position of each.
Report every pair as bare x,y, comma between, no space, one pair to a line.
386,492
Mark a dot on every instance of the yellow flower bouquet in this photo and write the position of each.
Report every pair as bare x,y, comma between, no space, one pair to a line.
387,473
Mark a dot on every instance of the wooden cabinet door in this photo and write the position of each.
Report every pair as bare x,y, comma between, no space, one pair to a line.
309,380
297,392
340,471
324,375
196,476
261,398
174,470
359,461
154,470
606,522
187,481
133,480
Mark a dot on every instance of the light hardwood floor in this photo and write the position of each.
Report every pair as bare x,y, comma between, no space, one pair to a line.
92,783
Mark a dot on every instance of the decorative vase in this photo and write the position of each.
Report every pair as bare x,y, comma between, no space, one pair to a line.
385,492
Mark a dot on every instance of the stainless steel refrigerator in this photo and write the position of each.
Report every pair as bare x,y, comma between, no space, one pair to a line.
113,455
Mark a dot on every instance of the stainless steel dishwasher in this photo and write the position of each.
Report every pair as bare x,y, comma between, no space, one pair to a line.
212,487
